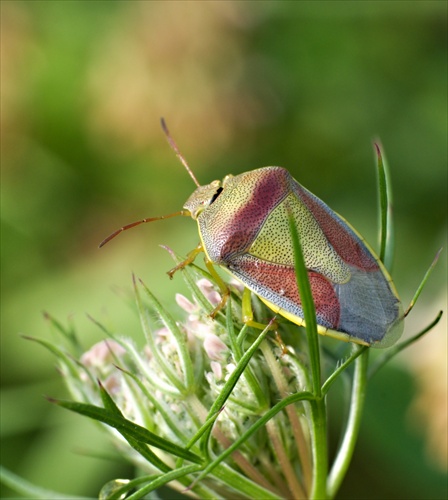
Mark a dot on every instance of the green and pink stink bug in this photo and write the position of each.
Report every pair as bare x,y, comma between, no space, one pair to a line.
243,227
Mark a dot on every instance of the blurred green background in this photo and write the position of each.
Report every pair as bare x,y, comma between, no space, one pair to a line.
304,85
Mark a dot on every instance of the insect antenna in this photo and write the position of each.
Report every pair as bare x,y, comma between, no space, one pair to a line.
142,221
186,213
175,148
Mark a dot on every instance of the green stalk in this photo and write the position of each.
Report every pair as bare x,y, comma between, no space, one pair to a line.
345,453
318,428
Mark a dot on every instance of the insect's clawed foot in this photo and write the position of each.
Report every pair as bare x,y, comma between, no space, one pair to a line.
222,303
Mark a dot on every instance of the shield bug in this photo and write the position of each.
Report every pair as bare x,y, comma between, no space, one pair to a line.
243,228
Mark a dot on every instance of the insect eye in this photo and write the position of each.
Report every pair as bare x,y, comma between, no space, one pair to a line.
218,192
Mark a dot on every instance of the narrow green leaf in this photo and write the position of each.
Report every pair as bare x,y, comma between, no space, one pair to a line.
423,282
294,398
108,402
230,384
100,326
204,428
178,336
153,378
63,357
147,454
132,429
164,479
308,308
169,322
237,352
167,416
68,333
115,491
318,422
142,449
357,350
387,241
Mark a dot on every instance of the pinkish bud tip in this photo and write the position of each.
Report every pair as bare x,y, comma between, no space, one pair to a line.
168,249
378,149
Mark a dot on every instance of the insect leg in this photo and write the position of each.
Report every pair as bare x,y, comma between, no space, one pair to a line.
191,256
248,313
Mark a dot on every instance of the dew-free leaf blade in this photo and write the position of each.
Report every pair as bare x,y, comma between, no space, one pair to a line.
132,429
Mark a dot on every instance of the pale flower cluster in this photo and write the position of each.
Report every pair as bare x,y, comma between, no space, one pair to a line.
150,387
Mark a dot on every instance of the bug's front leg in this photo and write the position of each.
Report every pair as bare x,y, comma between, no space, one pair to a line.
191,256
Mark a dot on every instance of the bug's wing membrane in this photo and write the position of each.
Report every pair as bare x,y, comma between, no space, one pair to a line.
368,309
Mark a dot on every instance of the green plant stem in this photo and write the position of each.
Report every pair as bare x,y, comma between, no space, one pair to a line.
318,428
347,447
